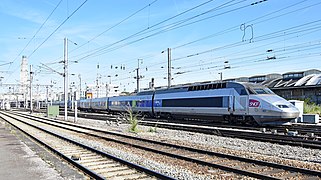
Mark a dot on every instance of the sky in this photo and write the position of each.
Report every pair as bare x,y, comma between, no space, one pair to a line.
108,39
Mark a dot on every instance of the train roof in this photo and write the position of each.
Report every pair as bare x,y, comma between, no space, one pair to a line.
164,90
197,87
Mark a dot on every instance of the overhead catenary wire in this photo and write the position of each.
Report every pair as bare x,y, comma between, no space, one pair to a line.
216,8
298,46
36,49
236,27
42,25
102,50
257,39
115,25
30,40
280,35
252,21
106,30
255,58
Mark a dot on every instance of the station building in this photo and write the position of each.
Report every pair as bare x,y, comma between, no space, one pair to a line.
293,85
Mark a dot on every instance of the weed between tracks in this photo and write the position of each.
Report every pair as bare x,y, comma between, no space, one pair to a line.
132,119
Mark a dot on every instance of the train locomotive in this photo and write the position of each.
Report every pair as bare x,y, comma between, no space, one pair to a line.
234,102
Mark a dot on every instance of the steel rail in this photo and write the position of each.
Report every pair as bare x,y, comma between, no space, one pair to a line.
264,163
86,170
74,163
263,137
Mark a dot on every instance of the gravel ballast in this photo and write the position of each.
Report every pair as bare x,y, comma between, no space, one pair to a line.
212,141
283,154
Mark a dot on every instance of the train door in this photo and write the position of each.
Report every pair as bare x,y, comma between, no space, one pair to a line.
244,100
231,104
107,103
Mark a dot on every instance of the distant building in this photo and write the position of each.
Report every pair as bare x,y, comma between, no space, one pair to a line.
264,78
291,85
240,79
299,85
24,76
103,90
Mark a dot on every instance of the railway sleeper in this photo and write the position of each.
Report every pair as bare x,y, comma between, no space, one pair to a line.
273,171
103,166
255,167
85,155
120,172
134,176
80,154
291,175
90,164
111,170
91,160
91,157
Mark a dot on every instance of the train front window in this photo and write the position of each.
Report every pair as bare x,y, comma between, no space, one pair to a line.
269,91
257,89
262,91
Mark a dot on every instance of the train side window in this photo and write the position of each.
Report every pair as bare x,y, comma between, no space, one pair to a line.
194,102
243,92
240,89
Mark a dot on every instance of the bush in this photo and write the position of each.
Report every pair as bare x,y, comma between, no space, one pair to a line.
311,108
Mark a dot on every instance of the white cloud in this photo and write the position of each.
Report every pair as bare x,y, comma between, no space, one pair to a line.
22,10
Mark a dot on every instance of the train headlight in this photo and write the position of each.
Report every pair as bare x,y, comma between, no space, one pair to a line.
282,106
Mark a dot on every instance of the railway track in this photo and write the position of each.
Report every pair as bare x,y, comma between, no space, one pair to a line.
94,163
301,129
225,162
302,141
234,131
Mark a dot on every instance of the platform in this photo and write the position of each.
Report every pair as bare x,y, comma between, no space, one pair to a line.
21,158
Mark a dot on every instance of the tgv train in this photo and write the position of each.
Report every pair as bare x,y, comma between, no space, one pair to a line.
224,101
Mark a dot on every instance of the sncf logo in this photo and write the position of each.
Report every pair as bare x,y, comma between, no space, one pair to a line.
254,103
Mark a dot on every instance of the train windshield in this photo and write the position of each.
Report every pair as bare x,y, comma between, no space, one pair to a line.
262,91
258,89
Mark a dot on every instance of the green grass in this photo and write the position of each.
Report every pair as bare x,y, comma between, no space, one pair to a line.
311,108
152,129
132,119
